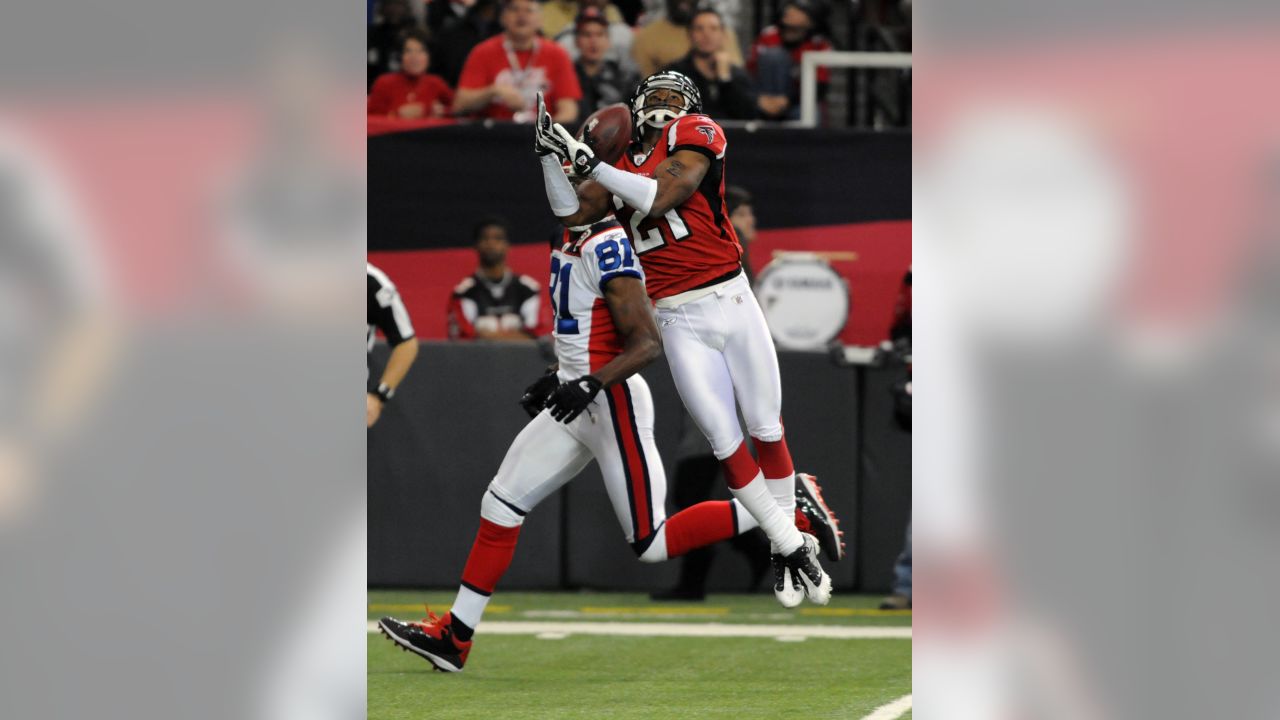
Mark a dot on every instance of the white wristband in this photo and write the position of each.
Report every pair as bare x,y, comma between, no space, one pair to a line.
635,190
560,193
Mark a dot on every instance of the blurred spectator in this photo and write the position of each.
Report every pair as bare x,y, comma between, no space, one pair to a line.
394,19
620,37
901,597
503,74
743,218
775,59
654,10
494,303
666,40
559,15
727,93
454,43
900,339
603,81
411,93
444,14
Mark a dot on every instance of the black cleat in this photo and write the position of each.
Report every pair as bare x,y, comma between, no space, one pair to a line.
431,639
814,517
786,587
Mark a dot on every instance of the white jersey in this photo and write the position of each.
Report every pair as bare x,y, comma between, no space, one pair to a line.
586,338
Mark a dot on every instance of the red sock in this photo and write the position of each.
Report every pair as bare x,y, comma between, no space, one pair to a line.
775,459
702,524
740,468
490,556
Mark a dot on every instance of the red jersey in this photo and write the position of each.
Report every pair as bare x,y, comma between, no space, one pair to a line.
391,90
693,245
547,67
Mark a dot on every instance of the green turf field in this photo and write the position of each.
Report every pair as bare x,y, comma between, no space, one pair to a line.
566,675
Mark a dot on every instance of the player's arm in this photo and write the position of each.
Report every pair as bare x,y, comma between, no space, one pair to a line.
633,317
641,344
393,320
675,179
583,205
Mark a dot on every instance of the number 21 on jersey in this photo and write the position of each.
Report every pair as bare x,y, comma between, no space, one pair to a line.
646,233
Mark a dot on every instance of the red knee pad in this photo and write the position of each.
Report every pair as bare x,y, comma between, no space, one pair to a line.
740,468
775,458
490,556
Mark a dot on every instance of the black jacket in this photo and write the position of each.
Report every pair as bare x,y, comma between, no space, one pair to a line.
731,100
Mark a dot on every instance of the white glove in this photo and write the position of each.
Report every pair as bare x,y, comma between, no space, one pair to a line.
577,153
545,141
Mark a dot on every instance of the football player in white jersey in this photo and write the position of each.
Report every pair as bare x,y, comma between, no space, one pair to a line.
592,406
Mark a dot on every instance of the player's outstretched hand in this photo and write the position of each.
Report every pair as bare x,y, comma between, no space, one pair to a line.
571,398
578,154
545,141
535,396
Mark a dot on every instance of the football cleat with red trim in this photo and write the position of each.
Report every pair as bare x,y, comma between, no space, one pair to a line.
431,639
814,517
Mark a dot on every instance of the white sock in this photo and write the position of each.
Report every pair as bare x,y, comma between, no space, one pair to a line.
744,519
781,529
784,491
469,606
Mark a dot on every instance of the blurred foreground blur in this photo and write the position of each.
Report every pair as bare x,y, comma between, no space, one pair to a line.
181,469
1096,362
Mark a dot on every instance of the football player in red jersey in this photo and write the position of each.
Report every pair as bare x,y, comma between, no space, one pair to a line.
668,191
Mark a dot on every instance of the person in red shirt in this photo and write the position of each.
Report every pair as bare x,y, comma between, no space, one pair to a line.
411,93
504,74
775,59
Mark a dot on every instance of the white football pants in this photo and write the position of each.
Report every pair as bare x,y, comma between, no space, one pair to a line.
616,430
719,348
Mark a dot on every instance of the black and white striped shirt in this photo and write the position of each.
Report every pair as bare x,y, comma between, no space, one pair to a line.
385,310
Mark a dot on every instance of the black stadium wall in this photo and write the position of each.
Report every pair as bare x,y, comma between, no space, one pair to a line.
442,438
428,187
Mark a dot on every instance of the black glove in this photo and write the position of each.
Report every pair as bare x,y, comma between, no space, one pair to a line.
535,396
570,399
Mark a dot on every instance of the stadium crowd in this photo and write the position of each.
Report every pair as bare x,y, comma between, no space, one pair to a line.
487,59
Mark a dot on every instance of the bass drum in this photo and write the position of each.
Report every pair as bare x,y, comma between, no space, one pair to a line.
804,300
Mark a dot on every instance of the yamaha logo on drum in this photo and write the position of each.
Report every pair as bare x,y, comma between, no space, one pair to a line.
804,300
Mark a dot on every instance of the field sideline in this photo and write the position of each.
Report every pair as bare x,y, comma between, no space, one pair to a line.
614,655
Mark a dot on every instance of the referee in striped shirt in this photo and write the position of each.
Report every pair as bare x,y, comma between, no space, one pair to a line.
386,312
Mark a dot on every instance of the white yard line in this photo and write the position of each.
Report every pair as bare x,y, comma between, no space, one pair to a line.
891,711
503,627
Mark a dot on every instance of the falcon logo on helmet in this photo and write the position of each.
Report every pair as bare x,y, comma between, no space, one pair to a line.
648,111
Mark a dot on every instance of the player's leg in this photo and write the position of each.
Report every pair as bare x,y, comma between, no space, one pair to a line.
753,364
634,478
543,457
692,337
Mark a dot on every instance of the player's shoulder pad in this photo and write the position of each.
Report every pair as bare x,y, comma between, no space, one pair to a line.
696,131
467,283
529,282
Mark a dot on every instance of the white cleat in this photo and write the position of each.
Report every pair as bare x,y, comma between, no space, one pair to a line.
803,566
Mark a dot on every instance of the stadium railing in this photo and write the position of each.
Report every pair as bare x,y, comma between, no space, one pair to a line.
811,61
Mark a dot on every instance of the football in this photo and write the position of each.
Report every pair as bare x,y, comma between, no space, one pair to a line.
608,132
